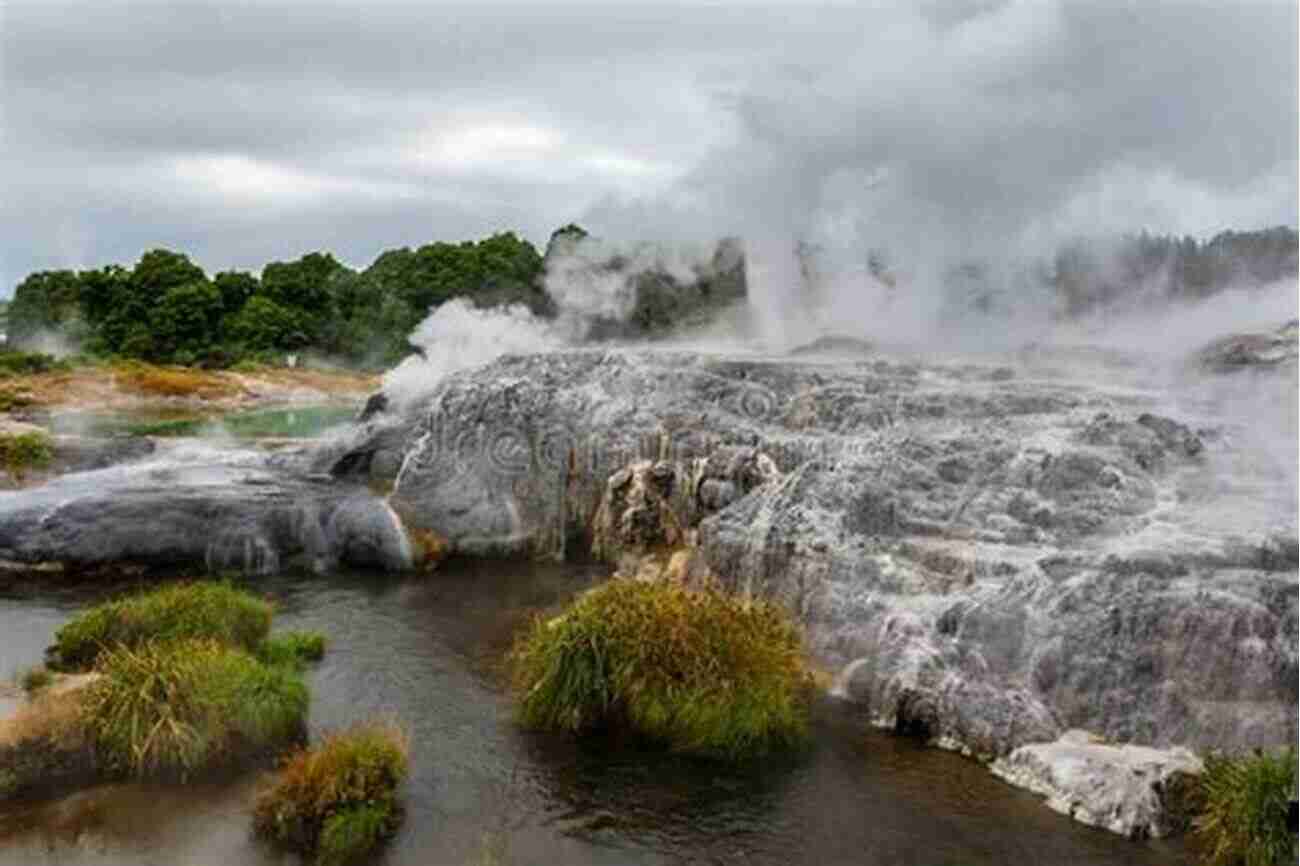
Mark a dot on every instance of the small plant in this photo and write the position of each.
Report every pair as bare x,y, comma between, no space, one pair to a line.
700,671
213,610
338,799
1243,800
292,648
21,452
34,679
172,709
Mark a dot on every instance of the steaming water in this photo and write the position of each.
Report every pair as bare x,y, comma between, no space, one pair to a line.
484,792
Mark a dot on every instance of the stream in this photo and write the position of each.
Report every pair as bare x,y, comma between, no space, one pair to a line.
482,792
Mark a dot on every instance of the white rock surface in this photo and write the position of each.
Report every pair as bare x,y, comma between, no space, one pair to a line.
1117,788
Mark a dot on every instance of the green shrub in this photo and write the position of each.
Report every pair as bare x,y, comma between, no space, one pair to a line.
700,671
338,799
172,709
292,648
35,679
184,610
20,452
1243,800
18,363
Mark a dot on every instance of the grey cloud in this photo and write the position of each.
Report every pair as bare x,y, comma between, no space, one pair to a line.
940,124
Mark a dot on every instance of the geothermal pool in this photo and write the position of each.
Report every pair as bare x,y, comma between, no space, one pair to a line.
428,650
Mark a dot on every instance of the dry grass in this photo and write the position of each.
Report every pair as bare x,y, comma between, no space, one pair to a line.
700,671
337,800
172,709
55,715
132,384
155,381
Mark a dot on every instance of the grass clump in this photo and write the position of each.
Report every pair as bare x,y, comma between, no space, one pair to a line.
35,679
172,709
1243,806
337,800
215,610
701,671
292,648
21,452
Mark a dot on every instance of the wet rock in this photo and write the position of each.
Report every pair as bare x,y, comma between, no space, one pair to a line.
242,511
1131,790
376,403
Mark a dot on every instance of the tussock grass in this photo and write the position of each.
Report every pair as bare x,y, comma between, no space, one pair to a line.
156,381
172,709
698,670
337,800
292,648
1243,805
22,452
185,610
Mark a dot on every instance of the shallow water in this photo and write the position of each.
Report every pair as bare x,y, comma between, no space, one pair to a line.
483,792
298,421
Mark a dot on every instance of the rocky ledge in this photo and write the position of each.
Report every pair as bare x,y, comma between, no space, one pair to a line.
1138,792
987,557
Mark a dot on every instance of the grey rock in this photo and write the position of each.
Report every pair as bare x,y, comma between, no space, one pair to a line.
987,560
1251,351
235,510
1130,790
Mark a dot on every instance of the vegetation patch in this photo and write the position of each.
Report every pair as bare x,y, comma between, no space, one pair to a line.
213,610
23,452
34,679
156,381
337,800
173,709
292,648
700,671
18,363
1243,805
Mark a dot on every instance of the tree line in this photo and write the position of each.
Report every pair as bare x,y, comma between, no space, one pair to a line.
166,309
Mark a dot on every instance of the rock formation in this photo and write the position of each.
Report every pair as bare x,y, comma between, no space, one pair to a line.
988,560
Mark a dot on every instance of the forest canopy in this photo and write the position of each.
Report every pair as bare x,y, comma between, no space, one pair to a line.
167,309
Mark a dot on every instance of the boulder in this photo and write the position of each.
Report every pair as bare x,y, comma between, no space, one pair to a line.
1134,791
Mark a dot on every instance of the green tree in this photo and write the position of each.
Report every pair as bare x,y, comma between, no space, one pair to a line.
264,325
43,302
236,287
186,321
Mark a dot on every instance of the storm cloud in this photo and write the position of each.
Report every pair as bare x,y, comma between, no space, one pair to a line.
243,133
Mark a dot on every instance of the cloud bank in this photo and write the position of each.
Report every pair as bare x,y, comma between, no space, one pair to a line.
248,133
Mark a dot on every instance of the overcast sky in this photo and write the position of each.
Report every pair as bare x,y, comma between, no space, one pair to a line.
244,132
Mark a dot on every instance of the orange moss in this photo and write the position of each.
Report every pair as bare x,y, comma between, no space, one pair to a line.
173,381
